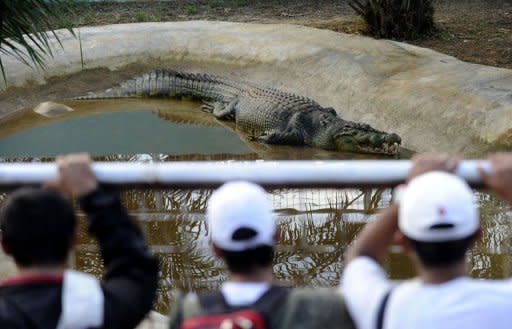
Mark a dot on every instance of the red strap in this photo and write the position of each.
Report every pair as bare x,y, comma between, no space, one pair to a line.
33,278
242,319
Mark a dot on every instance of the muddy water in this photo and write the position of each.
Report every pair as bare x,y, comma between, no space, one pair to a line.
316,224
104,128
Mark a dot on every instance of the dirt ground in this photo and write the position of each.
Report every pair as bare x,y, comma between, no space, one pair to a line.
478,31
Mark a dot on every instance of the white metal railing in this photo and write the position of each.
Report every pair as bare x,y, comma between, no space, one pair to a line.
272,174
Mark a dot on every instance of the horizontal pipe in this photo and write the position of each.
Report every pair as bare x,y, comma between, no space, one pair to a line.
271,174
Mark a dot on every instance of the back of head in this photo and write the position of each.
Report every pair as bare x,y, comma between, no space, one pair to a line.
439,216
38,227
242,225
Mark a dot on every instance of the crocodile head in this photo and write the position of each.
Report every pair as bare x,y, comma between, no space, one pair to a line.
362,138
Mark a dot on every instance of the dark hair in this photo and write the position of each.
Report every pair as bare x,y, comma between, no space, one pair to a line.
37,227
249,260
437,254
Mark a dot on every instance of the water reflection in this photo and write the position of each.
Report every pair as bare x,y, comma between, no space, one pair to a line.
315,225
117,132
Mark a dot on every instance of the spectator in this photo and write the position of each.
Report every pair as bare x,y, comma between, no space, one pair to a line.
437,221
38,229
243,235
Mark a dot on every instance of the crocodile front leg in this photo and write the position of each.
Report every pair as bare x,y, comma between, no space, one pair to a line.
292,135
286,138
221,110
208,106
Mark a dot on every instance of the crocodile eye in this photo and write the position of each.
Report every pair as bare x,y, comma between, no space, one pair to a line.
325,119
331,111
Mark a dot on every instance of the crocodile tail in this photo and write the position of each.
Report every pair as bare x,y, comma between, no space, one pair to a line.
168,83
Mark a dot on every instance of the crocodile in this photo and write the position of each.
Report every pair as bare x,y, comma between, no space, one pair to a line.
265,114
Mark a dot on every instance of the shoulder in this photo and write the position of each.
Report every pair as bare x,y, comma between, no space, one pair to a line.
9,317
185,305
6,310
364,284
314,307
316,294
363,278
328,300
9,323
467,293
363,267
489,289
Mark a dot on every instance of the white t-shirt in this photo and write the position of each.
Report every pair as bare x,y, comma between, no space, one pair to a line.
461,303
82,301
243,293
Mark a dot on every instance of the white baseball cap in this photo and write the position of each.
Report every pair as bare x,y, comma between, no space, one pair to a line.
438,207
237,205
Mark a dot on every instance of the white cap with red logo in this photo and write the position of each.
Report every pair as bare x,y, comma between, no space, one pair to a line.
438,207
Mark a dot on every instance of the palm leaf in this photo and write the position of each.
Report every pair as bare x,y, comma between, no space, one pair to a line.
26,27
396,19
357,6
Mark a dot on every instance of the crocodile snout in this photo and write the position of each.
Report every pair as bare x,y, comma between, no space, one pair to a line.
394,138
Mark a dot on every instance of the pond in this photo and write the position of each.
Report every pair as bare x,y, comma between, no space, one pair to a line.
103,128
316,225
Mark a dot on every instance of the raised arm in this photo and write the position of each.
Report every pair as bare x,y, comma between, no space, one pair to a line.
364,282
499,181
377,236
131,270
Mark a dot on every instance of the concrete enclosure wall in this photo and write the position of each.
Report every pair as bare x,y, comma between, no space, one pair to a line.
434,101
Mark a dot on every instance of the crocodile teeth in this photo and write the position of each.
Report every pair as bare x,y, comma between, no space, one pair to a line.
394,148
385,147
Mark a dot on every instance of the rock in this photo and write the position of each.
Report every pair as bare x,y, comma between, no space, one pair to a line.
52,109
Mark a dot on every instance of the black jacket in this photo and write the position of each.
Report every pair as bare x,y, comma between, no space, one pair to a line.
129,285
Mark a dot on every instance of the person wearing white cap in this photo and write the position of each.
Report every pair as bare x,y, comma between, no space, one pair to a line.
436,220
243,234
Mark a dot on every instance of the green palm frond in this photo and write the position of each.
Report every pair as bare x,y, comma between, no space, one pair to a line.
26,27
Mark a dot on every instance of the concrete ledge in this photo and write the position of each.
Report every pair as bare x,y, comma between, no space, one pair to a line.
433,101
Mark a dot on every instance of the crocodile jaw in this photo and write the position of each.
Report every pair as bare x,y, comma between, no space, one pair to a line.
389,145
385,149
